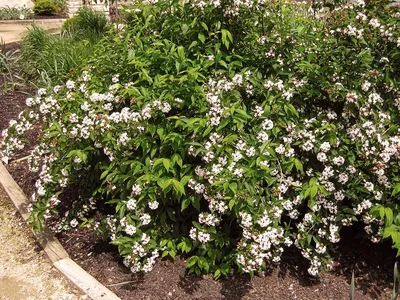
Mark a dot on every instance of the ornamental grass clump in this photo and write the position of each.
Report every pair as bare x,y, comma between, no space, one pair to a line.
226,131
47,59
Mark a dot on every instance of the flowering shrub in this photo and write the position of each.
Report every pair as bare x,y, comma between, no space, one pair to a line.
227,132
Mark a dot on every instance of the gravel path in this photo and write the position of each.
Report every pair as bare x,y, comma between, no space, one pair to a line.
25,271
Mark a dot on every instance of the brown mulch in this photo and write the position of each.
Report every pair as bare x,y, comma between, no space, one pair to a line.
373,264
41,17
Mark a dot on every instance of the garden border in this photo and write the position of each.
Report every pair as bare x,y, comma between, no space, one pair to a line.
52,247
33,21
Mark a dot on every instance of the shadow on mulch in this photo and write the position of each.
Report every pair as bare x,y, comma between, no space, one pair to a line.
373,265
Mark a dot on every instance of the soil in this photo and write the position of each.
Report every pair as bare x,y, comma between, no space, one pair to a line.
41,17
372,263
373,266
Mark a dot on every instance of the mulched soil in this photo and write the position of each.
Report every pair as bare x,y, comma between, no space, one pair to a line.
41,17
372,263
373,266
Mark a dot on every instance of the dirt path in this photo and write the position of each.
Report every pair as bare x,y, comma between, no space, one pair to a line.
25,271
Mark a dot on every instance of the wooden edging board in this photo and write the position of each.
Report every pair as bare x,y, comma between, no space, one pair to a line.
32,21
52,247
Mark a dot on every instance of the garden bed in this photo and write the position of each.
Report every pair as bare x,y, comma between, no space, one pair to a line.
164,168
372,263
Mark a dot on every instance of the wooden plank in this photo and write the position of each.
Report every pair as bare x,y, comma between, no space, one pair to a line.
54,250
15,193
84,281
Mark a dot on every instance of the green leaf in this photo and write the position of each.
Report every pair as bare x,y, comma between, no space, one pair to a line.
178,186
166,162
181,53
231,204
196,203
233,187
396,189
313,191
389,216
172,253
192,261
201,37
222,63
185,203
298,164
313,181
184,28
204,25
104,174
309,238
176,158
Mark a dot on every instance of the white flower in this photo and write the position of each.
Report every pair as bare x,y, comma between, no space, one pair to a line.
153,205
289,152
267,124
193,233
258,111
73,118
325,147
351,97
366,85
165,107
131,204
115,78
369,186
338,160
280,149
246,219
74,223
321,156
251,152
264,221
374,23
41,92
237,156
29,102
136,190
307,146
70,84
203,237
240,145
343,178
238,172
130,229
262,137
124,139
145,218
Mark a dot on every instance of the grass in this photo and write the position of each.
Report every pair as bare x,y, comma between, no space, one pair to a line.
14,13
47,59
9,69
